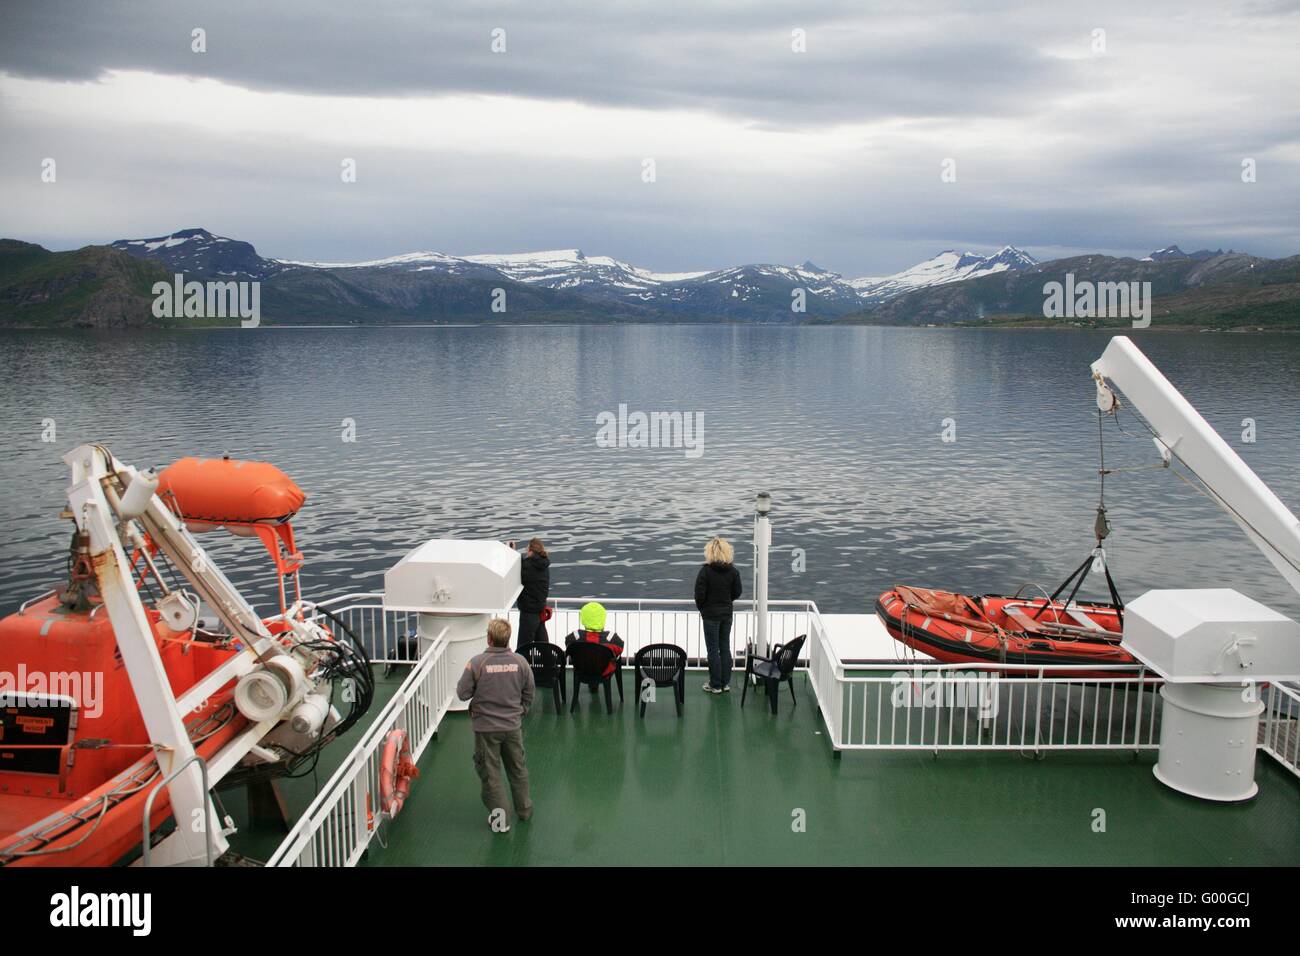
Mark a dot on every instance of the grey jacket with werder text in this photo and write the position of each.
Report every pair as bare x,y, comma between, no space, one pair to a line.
499,687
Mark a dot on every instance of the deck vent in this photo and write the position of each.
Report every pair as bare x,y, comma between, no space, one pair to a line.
1213,647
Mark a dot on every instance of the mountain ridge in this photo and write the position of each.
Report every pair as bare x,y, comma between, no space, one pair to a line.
768,292
1228,290
109,286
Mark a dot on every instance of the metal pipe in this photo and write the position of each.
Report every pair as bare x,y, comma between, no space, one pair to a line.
762,544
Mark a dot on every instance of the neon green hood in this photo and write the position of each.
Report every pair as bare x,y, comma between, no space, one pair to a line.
592,617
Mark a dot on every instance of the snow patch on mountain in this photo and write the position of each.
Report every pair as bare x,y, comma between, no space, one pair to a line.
415,259
760,286
947,266
1173,252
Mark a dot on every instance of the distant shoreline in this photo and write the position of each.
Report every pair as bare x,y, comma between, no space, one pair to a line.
344,327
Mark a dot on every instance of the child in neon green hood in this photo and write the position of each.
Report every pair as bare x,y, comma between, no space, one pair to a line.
592,616
591,627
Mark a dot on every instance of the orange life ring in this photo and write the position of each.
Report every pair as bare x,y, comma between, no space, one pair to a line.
396,771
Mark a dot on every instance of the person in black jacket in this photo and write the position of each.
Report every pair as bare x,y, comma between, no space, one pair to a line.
716,587
535,572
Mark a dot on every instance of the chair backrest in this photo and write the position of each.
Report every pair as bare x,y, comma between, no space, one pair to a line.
662,663
590,660
788,655
546,660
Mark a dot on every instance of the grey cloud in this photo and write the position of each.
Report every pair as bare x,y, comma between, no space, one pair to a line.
730,58
1127,185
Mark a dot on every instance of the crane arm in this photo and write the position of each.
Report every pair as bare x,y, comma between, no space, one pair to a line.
1181,432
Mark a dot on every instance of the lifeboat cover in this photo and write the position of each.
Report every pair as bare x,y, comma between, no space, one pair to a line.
224,490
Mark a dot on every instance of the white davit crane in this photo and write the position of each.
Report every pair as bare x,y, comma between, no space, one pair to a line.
1213,647
116,505
1181,432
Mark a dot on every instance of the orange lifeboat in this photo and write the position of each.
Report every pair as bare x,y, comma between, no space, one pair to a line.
992,629
226,491
247,498
76,764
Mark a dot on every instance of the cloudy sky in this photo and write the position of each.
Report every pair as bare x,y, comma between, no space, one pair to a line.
1064,139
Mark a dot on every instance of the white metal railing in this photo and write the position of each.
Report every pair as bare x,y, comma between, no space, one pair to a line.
673,621
1279,729
865,706
342,820
934,706
389,636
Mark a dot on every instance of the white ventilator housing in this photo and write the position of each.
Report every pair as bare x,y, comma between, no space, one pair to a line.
1211,634
456,587
1212,646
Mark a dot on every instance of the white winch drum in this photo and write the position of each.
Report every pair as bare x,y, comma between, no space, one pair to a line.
465,634
1208,736
263,694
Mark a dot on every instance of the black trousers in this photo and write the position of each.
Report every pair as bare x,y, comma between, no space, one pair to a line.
531,629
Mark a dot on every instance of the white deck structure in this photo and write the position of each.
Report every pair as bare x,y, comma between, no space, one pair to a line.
862,637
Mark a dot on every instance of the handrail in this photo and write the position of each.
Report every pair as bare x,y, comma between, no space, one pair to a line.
207,807
345,778
40,597
843,689
378,597
1038,669
1280,732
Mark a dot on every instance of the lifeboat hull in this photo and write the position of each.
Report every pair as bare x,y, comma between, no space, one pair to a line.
73,745
993,629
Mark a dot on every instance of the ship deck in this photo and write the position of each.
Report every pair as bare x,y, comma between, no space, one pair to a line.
725,786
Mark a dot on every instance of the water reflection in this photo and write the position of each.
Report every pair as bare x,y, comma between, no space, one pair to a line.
491,432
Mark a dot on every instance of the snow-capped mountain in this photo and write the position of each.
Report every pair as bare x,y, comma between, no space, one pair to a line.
202,253
947,266
757,291
1173,252
571,269
558,269
438,263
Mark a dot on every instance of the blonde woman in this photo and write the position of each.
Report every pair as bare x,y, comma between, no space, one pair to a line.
716,588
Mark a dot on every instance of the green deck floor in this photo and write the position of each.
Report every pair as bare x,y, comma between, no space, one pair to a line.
721,787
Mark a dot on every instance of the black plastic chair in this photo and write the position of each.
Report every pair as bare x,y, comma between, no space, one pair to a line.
547,662
774,670
665,665
590,660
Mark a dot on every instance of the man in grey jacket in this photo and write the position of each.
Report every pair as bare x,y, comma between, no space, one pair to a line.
499,687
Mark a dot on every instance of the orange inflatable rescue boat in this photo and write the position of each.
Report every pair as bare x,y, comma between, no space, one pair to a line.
991,629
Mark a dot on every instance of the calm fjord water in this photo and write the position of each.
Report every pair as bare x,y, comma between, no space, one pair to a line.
491,432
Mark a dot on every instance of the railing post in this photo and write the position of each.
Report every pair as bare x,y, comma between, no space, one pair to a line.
1137,720
762,543
1038,713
